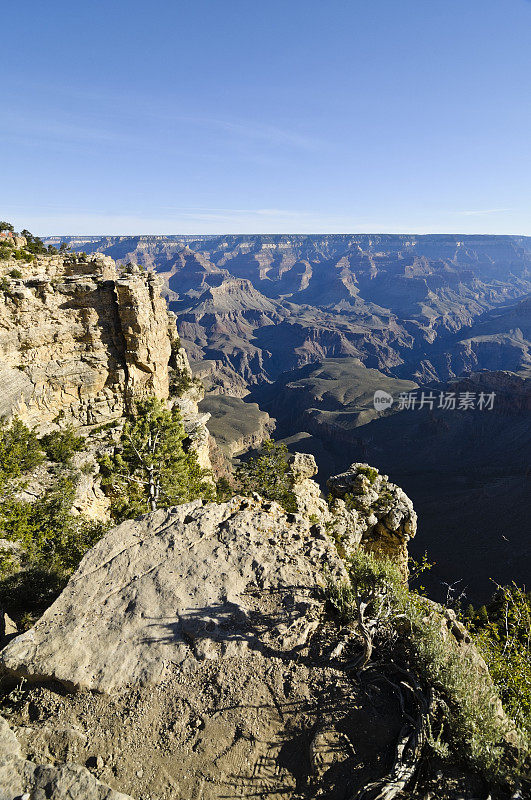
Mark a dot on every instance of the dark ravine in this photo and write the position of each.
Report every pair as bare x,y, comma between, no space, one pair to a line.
396,302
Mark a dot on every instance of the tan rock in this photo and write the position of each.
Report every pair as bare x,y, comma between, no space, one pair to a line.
385,520
24,779
180,585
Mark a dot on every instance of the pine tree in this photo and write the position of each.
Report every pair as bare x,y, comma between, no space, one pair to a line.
151,468
268,474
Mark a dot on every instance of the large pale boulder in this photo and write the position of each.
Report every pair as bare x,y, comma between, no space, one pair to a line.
191,583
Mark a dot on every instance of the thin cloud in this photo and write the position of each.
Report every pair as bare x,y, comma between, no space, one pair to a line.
482,212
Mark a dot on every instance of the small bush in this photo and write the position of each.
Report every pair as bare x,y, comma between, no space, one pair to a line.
50,539
20,451
224,490
370,472
268,475
61,445
466,722
502,633
180,382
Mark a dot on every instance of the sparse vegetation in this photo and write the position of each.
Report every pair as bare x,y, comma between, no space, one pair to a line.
397,623
150,467
267,474
61,445
34,244
502,633
20,451
370,472
224,490
180,382
47,539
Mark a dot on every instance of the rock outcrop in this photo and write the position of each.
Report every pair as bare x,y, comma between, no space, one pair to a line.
364,510
192,583
380,516
195,639
78,340
202,658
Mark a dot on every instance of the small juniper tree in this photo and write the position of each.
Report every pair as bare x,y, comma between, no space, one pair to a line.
151,468
20,450
268,474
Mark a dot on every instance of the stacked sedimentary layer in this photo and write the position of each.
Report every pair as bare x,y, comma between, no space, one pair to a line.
78,341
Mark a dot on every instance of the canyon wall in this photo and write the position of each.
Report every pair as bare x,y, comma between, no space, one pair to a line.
78,341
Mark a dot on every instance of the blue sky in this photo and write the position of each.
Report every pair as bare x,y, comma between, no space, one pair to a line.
229,116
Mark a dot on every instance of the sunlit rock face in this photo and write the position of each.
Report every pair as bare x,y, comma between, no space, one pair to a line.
78,342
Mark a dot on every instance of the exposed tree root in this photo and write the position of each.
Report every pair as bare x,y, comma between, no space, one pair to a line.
415,707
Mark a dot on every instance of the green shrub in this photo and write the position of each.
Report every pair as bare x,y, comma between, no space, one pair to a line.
6,250
224,490
151,468
20,450
34,244
61,445
180,382
465,720
370,472
51,539
15,273
502,633
268,475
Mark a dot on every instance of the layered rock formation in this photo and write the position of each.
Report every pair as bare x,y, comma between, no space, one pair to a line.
392,301
78,341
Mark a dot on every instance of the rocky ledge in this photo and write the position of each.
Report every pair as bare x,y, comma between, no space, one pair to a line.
191,583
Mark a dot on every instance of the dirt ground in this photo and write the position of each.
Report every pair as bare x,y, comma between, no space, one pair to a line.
237,727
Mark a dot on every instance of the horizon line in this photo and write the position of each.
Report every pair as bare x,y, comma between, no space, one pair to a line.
293,233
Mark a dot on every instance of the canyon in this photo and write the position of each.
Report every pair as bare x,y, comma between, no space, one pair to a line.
308,327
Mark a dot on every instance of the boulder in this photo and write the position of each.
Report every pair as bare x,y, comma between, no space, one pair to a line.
7,627
194,582
382,519
307,493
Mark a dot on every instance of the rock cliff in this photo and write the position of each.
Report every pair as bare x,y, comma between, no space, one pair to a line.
393,301
78,340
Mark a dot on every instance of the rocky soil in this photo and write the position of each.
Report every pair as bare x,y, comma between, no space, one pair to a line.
193,655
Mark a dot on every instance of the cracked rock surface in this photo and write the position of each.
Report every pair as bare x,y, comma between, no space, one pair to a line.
20,778
191,583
